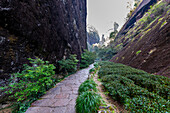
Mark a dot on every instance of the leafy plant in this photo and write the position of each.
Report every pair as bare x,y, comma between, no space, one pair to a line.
33,80
92,70
87,85
88,102
142,104
138,52
69,65
87,58
106,53
31,83
137,90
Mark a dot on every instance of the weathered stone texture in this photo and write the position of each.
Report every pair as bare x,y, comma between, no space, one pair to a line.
49,29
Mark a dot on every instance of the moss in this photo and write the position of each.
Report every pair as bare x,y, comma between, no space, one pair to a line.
138,52
152,22
160,19
168,11
163,23
147,31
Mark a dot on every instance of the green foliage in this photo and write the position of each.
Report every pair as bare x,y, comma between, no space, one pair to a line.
137,90
69,65
138,52
156,10
88,102
87,58
113,68
163,23
87,85
106,53
113,34
92,70
143,104
23,106
145,81
96,65
33,81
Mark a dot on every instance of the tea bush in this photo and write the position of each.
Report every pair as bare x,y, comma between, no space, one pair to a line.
151,85
68,65
142,104
137,90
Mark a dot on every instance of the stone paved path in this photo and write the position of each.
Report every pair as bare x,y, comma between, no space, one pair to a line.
61,98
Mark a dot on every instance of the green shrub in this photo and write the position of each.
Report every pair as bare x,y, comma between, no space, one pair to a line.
137,90
158,9
151,85
106,53
122,89
87,58
121,70
142,104
87,85
96,65
69,65
33,80
92,70
88,102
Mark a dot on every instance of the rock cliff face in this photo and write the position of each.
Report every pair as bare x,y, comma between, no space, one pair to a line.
93,38
147,43
49,29
137,14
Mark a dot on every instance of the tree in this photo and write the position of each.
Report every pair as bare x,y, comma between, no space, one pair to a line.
113,34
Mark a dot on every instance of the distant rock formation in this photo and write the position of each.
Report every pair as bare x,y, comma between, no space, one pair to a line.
101,43
48,29
92,35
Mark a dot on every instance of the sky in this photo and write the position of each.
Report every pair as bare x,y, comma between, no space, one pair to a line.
103,13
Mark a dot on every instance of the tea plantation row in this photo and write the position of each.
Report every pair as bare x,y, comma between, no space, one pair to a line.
137,90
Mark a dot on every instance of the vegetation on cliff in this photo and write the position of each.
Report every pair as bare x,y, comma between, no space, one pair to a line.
144,43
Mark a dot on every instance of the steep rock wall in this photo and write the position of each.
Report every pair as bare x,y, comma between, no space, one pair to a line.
149,49
137,14
49,29
93,38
